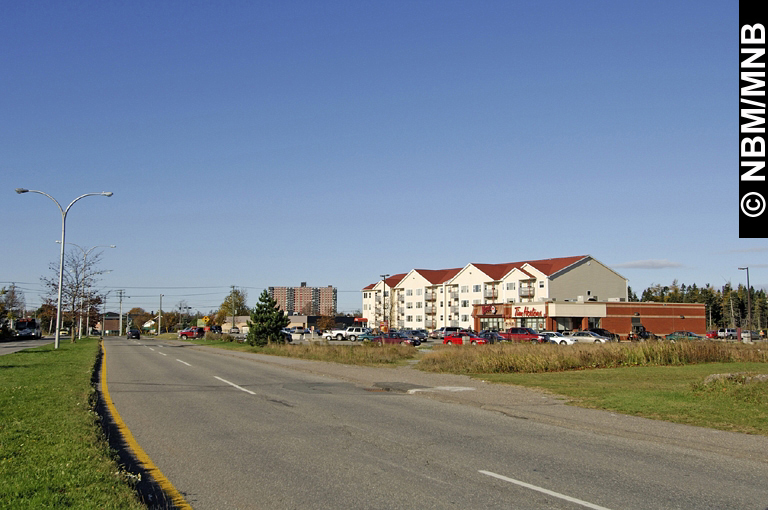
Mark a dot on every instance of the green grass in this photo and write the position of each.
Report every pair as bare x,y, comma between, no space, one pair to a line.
52,450
670,393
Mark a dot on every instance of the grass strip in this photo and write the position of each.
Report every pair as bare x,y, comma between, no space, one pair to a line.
676,394
52,449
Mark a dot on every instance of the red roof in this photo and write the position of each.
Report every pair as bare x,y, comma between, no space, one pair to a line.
495,271
438,276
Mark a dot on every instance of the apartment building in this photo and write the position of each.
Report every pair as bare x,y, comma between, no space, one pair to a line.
305,300
430,299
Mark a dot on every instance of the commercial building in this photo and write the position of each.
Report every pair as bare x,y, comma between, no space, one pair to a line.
305,300
560,293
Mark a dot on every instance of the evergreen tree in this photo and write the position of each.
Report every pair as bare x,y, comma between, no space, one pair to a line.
266,321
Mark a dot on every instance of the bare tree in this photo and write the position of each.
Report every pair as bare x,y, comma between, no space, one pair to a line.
79,278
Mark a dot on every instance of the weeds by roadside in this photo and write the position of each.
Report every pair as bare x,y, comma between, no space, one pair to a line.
524,358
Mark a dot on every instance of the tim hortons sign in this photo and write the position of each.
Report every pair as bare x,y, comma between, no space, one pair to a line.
528,312
489,310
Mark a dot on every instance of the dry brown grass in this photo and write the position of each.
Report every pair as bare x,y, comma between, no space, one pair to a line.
367,354
526,358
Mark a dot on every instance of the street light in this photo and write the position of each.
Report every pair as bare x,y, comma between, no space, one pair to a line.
384,304
61,256
749,307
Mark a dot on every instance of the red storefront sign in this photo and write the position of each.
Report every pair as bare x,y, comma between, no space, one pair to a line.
528,312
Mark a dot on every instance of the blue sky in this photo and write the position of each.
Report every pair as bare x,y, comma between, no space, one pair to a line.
272,143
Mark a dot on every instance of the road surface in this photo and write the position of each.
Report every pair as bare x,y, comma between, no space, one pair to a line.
247,431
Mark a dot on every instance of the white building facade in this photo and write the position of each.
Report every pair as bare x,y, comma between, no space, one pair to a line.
430,299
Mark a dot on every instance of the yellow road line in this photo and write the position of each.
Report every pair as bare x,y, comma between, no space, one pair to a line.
167,487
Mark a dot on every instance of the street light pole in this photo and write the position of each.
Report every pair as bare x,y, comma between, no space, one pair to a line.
61,255
749,307
384,302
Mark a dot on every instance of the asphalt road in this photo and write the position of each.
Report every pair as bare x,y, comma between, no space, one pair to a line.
20,345
243,431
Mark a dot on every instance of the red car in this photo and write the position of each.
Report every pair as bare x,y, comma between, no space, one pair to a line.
711,334
523,335
464,338
391,338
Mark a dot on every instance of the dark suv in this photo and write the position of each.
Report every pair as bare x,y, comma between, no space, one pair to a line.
604,332
134,333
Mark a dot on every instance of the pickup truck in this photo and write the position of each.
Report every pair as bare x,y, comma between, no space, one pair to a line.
522,335
350,333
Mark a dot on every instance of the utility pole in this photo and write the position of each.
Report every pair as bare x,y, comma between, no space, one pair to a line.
749,306
120,294
233,306
160,315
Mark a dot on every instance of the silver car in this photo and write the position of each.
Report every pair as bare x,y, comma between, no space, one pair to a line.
555,337
589,336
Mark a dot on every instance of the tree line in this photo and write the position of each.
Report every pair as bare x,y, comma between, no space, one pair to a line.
726,307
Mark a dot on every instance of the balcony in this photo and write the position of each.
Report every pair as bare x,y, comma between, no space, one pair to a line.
527,292
400,298
491,294
453,295
430,296
430,310
430,324
454,309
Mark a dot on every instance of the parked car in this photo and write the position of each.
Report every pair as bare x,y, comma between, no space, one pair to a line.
440,333
133,333
491,337
750,335
464,338
555,337
522,335
711,334
192,333
392,337
410,335
604,332
367,336
682,335
418,334
216,329
589,336
727,333
234,330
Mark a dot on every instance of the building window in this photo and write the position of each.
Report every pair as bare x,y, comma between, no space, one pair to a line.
475,301
409,304
409,292
511,286
418,318
465,303
409,318
465,288
418,304
465,318
418,292
541,284
477,288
